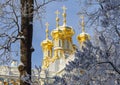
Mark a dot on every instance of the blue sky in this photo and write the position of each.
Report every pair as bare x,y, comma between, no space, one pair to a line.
39,31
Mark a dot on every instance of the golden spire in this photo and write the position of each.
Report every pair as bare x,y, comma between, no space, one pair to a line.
47,24
83,24
83,37
57,18
64,15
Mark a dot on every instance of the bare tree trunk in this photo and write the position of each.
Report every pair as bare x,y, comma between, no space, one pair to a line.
26,37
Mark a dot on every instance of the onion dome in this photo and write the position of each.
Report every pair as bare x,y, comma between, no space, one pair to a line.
67,31
57,33
47,42
82,37
47,49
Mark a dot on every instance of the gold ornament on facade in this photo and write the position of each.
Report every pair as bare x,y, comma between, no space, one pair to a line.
46,62
54,58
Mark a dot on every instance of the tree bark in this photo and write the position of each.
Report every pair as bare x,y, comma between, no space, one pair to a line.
27,7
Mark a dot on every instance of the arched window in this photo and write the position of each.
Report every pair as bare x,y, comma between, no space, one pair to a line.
49,53
60,43
66,45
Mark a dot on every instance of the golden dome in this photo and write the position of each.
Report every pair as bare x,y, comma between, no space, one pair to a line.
62,31
67,31
56,33
46,42
47,49
83,36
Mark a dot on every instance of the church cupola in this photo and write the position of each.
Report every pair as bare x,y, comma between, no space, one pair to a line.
57,33
57,36
47,49
83,37
68,32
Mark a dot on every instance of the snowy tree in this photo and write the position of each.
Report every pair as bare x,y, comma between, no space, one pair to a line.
92,66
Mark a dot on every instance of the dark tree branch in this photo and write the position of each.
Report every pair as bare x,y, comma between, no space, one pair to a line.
114,67
116,29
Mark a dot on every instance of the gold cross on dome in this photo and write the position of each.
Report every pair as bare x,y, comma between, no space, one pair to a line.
57,13
57,18
64,15
82,17
83,24
47,24
64,9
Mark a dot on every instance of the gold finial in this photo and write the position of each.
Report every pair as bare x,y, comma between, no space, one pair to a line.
64,15
57,18
83,24
47,24
64,9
